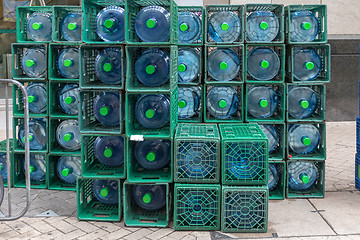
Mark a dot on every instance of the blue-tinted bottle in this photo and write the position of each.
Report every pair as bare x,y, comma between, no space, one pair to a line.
224,26
262,26
222,102
106,191
110,24
304,26
68,169
3,167
273,136
68,135
302,102
33,62
37,95
262,101
303,138
274,176
107,108
39,26
149,197
223,64
153,110
68,63
108,66
152,24
302,175
37,167
69,98
153,154
152,68
263,64
307,64
37,134
188,65
189,27
70,27
109,150
189,99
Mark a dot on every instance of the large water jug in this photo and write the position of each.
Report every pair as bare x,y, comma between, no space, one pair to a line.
68,135
263,63
274,176
189,99
262,26
153,154
68,169
149,197
110,24
152,68
106,191
189,27
222,102
34,62
224,26
303,138
152,24
68,63
304,26
37,134
37,167
71,26
109,150
39,26
302,175
273,136
3,167
188,65
69,98
108,66
223,64
302,102
306,63
37,94
107,108
262,101
153,110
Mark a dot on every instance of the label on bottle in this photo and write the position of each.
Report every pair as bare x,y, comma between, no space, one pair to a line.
137,138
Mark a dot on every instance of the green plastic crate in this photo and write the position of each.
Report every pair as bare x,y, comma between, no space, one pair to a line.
316,191
135,6
88,78
239,78
244,209
237,117
318,154
91,209
18,101
87,121
319,114
133,127
22,13
54,51
279,153
134,216
199,79
200,12
277,9
237,9
91,167
54,146
133,53
90,9
324,52
59,12
197,207
54,182
137,174
197,153
320,11
18,175
55,110
198,116
278,192
244,154
17,50
279,49
3,151
279,115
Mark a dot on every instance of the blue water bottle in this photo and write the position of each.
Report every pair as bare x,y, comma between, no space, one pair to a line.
262,26
107,108
304,26
189,99
223,64
109,150
302,175
262,101
222,102
273,176
69,98
37,167
306,64
108,66
149,197
110,24
273,136
224,26
189,27
153,154
70,26
303,138
188,65
302,102
33,62
68,169
68,63
106,191
37,134
39,26
68,135
263,64
3,167
37,95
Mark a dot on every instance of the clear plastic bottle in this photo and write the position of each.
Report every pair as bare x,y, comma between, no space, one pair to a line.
68,135
222,102
273,176
68,63
110,24
306,63
37,134
106,191
3,167
70,26
303,138
263,101
189,27
39,26
189,99
108,66
263,63
273,136
304,26
302,102
188,65
262,26
107,108
68,169
149,197
224,26
109,150
153,154
69,98
223,64
37,95
302,175
33,62
37,167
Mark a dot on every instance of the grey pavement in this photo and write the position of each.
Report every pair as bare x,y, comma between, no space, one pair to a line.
53,213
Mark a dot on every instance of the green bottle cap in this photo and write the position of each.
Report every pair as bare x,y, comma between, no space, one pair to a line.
32,168
1,167
67,137
306,25
65,172
104,192
109,23
264,25
72,26
69,100
30,63
309,65
151,23
264,103
222,103
223,65
68,63
304,104
104,111
147,198
150,156
31,99
306,141
182,67
150,69
264,64
36,26
150,113
184,27
108,152
30,138
182,104
305,178
225,26
107,67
